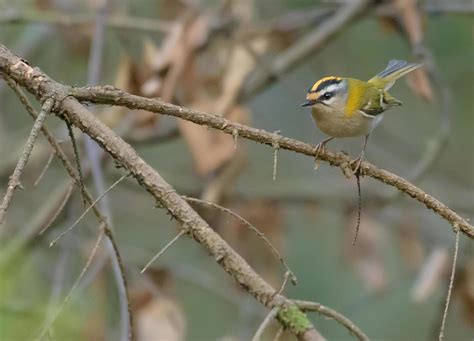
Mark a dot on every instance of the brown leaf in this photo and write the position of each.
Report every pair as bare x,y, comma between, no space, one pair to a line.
160,319
210,149
412,21
464,289
240,64
223,183
157,314
420,84
112,116
430,275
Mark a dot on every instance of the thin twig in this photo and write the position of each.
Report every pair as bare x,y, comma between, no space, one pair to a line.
235,135
60,19
58,279
94,153
45,168
252,227
49,322
450,288
58,210
336,316
270,317
278,334
276,147
14,181
77,159
78,220
359,207
163,250
285,280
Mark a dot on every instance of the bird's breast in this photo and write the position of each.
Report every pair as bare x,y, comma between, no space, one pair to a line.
336,124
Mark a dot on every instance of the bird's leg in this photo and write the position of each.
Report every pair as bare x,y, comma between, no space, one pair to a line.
358,160
319,148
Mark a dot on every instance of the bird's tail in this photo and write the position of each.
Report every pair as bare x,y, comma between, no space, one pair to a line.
394,70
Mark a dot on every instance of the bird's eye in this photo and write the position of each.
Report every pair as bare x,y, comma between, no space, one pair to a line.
327,96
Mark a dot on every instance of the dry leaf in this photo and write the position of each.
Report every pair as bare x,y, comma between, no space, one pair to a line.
240,64
210,149
464,289
113,115
157,314
224,182
420,84
412,21
160,319
430,275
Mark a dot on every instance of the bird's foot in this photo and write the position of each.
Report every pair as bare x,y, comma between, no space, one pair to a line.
320,147
357,161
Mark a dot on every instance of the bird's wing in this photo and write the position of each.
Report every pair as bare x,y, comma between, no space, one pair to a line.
394,70
373,102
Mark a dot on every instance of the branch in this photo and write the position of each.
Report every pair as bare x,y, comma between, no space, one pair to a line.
48,323
268,319
94,153
450,288
41,86
69,108
336,316
60,19
91,206
112,96
253,228
14,181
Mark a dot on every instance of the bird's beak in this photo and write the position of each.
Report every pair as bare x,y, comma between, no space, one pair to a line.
308,103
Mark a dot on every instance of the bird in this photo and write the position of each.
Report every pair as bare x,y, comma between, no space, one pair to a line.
348,107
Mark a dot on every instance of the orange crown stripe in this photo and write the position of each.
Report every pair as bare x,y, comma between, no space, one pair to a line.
315,86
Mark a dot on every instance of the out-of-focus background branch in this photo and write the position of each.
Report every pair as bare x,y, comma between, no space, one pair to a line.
209,56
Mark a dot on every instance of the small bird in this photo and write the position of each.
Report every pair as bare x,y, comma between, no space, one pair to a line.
348,107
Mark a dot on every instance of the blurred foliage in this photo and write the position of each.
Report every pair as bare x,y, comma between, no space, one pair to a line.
314,221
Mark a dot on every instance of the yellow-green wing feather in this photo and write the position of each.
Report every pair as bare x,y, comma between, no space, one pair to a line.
394,70
363,96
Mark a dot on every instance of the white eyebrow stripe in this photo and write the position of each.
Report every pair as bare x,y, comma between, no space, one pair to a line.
331,88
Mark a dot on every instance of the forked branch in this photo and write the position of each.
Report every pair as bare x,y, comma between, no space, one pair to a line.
69,108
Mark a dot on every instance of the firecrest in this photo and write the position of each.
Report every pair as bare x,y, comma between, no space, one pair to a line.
348,107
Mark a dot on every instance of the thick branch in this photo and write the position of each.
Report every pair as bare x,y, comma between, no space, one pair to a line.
43,87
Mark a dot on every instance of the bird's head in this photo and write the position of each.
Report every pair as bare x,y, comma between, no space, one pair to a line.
329,92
